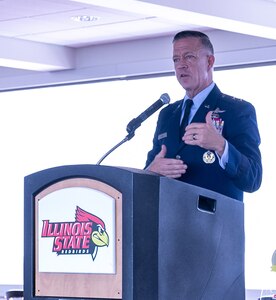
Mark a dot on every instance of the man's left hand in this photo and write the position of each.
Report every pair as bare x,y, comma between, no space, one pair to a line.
205,135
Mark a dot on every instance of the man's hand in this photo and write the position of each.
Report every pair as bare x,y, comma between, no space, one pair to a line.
170,167
205,135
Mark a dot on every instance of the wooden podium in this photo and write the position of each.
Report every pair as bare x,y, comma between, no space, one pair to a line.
101,232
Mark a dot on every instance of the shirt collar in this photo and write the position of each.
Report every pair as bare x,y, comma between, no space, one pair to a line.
200,97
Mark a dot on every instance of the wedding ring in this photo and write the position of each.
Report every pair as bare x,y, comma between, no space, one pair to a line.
194,137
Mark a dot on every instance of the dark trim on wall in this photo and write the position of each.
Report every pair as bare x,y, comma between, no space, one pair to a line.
135,77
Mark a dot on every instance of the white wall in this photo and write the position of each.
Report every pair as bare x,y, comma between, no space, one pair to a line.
59,126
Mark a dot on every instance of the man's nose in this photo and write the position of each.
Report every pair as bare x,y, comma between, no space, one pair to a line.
182,64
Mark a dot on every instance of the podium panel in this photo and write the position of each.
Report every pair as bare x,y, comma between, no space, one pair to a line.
201,244
53,267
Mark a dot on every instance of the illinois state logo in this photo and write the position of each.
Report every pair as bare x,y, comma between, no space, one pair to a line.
84,236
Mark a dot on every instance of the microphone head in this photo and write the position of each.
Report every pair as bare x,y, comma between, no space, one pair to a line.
165,98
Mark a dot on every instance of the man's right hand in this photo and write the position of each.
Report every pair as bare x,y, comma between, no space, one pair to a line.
169,167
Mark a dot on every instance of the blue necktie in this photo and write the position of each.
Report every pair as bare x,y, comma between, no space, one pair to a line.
185,120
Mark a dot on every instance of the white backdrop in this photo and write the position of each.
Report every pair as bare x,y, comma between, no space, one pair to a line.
43,128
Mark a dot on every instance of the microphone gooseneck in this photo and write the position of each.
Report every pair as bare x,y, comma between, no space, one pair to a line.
136,122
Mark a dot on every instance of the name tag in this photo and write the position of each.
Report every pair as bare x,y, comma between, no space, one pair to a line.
162,135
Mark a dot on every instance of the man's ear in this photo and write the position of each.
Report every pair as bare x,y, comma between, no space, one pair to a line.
211,61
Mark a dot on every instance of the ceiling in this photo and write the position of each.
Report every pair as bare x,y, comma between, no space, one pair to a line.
33,28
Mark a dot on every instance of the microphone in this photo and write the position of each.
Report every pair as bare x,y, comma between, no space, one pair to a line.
136,122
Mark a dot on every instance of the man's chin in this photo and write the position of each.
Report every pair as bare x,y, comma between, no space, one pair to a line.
186,86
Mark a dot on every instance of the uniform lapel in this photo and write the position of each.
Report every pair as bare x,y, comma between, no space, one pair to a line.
209,104
173,127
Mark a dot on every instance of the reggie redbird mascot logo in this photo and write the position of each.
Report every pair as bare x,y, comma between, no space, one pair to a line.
83,236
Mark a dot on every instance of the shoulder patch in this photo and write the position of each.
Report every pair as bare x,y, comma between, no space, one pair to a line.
238,99
232,97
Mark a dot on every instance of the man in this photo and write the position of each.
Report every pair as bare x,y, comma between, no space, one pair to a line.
219,149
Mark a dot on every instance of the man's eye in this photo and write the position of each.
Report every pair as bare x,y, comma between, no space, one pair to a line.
176,59
189,56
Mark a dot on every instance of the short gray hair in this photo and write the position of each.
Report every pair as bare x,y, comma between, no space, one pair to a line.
205,41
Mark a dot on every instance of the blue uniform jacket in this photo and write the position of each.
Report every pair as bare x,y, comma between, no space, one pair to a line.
243,171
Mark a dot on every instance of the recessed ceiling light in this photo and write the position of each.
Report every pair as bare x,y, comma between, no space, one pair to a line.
85,18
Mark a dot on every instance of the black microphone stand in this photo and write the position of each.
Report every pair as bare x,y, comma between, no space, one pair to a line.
127,138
